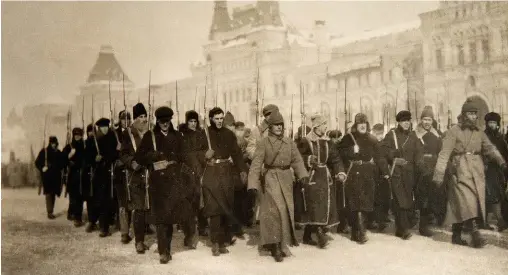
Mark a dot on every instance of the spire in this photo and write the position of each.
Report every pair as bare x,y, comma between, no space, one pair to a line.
106,67
221,20
269,13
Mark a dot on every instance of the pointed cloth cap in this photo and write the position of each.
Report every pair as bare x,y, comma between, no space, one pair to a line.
275,118
229,119
427,112
469,106
270,108
317,120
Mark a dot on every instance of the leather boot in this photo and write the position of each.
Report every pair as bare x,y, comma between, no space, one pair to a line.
141,248
322,239
277,253
477,239
362,232
223,249
125,239
424,225
165,258
307,236
501,223
215,249
457,234
91,227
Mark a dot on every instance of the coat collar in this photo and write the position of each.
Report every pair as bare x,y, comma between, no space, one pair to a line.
313,137
273,138
420,131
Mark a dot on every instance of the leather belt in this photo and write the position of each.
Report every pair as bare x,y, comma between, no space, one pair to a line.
269,167
219,161
361,162
428,155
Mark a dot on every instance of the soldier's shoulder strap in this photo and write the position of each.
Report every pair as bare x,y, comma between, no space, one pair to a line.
133,141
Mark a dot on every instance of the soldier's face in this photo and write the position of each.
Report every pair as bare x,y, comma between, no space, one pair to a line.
192,124
378,135
492,125
472,116
141,120
125,122
78,137
321,129
362,128
54,145
218,120
104,129
427,123
405,124
90,134
164,124
277,129
240,131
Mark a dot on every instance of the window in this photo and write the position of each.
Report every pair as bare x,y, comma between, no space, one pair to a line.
460,54
472,52
485,49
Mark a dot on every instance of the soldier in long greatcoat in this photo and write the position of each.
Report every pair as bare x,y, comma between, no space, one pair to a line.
404,153
324,164
426,193
495,177
74,153
170,200
50,163
194,147
271,179
89,191
463,148
135,175
218,187
362,155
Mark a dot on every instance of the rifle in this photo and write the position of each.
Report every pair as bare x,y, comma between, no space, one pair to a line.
68,141
147,173
96,147
302,110
291,117
126,172
438,112
345,106
84,146
257,98
177,112
39,192
112,128
449,112
195,97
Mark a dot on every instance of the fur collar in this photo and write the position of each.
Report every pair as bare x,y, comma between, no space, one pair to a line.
313,137
420,131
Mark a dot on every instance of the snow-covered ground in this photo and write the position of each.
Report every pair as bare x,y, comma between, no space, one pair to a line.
31,244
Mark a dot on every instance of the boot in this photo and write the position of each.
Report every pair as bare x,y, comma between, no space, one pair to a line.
477,239
277,253
165,258
141,248
125,239
190,241
307,236
78,223
343,228
51,216
223,249
91,227
322,239
202,232
362,232
215,249
401,225
501,223
457,234
104,234
424,225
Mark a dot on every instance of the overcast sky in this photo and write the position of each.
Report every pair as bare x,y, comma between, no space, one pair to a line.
50,47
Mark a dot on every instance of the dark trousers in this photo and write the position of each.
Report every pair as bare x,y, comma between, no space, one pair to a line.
219,229
189,227
139,224
50,203
202,221
164,238
93,210
75,206
105,214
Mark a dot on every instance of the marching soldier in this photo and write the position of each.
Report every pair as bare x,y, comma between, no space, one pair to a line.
124,211
382,195
50,163
495,178
361,152
403,152
104,153
261,130
89,191
218,188
342,212
430,139
75,154
135,175
270,178
194,148
319,195
463,146
168,197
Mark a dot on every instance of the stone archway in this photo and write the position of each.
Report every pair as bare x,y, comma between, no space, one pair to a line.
483,108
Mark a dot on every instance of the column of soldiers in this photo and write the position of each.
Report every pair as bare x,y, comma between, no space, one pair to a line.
223,177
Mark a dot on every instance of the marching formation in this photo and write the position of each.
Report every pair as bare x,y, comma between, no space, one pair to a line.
215,178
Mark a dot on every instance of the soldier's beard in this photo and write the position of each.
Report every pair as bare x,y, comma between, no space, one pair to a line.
466,122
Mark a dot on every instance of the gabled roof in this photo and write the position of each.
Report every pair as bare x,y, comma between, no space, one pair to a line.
106,67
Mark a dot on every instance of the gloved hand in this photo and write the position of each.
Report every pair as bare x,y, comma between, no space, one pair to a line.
313,161
118,146
209,154
243,176
340,177
72,153
304,180
98,158
44,169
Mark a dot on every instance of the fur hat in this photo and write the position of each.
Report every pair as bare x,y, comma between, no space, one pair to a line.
103,122
469,106
334,134
229,119
275,118
270,108
138,110
53,139
361,118
403,116
427,112
492,116
77,131
317,120
89,128
239,124
191,115
164,113
122,115
378,127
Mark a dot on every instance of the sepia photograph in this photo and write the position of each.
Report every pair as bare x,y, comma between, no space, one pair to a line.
254,137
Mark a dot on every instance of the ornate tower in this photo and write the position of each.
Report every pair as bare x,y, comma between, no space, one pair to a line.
221,20
269,13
